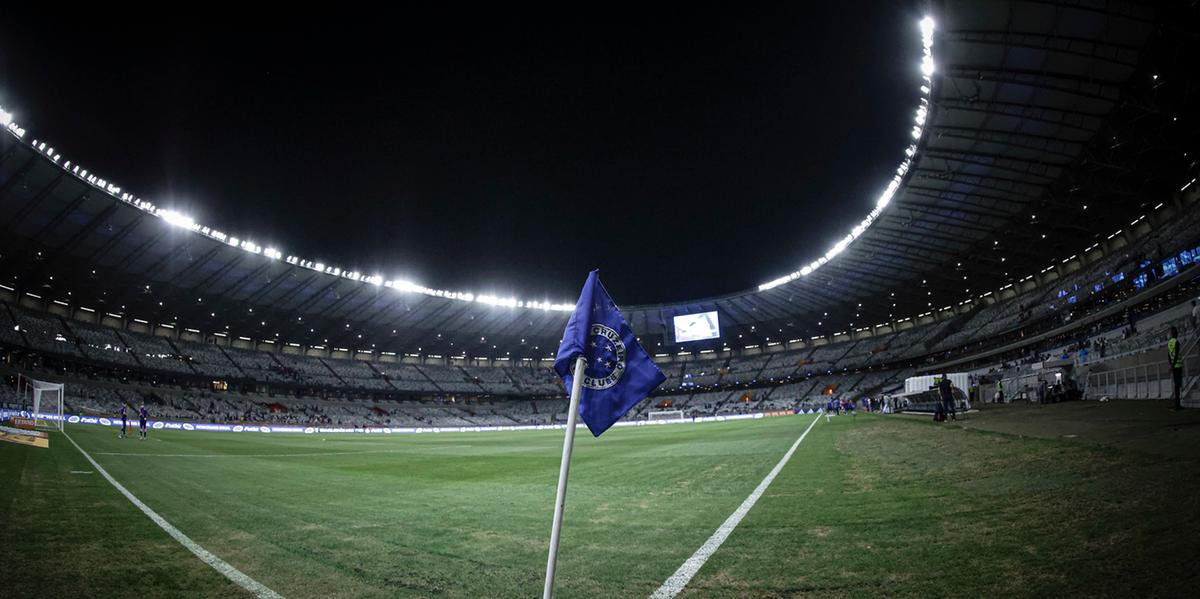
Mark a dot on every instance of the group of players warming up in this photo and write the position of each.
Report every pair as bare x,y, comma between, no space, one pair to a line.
142,429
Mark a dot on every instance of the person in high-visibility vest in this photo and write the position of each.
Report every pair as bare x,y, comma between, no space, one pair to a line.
1175,360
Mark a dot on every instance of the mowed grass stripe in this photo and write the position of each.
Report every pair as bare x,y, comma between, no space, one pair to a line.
680,578
877,506
233,574
471,521
892,507
71,535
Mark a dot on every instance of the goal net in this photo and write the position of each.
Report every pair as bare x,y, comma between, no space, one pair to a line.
665,415
45,401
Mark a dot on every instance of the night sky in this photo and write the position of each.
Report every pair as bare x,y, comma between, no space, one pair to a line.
685,155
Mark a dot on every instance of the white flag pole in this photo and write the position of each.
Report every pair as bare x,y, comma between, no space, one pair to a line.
561,495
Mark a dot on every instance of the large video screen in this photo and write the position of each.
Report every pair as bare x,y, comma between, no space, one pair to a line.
695,327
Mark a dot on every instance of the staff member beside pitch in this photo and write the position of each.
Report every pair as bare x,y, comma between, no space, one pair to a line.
946,390
1175,360
142,422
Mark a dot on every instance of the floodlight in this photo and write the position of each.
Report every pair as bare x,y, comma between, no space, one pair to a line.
179,220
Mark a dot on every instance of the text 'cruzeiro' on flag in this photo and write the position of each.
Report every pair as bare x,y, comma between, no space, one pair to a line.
619,372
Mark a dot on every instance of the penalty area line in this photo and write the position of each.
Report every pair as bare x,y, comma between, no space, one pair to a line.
680,579
237,576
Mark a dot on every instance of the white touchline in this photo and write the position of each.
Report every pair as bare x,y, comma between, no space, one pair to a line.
218,564
684,574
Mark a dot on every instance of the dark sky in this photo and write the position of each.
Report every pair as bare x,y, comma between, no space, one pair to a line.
686,155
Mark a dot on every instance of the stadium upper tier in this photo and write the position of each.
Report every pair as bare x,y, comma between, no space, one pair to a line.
1044,130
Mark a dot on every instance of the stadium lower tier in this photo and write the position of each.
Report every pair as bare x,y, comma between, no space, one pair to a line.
1086,354
104,399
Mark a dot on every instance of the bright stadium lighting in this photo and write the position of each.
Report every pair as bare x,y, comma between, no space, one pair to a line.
174,218
179,220
918,131
927,26
8,122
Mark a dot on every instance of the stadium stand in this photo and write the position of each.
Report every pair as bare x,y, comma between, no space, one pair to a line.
322,390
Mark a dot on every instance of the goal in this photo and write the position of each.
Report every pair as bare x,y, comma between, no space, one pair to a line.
665,415
45,401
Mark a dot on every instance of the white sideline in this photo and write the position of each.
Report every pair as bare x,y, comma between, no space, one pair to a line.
675,584
233,574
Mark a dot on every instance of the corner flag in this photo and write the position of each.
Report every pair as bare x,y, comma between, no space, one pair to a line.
618,372
606,372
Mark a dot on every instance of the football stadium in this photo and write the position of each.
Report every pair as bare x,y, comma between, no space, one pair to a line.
903,304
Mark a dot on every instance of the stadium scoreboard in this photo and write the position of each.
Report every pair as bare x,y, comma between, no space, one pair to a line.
697,327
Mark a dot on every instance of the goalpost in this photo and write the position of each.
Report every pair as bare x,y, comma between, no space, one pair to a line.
46,399
665,415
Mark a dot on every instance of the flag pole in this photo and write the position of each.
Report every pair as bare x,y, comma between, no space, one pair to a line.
561,496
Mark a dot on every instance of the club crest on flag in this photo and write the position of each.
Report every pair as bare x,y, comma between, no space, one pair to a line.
605,357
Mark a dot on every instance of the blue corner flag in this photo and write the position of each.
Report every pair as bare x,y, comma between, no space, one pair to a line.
619,373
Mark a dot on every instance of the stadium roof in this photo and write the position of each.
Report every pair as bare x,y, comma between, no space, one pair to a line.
1046,126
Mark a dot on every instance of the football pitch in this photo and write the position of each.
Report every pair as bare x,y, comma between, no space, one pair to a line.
1075,500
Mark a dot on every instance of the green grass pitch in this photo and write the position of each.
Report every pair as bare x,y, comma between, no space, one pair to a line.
868,506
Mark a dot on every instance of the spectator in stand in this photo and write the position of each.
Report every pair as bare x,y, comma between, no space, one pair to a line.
1175,360
1195,314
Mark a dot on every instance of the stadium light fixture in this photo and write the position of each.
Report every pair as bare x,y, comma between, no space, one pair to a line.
7,120
175,218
